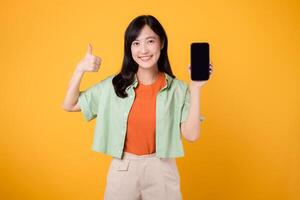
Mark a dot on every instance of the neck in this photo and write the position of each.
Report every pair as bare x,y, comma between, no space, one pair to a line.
147,76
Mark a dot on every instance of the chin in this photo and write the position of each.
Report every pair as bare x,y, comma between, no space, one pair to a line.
149,66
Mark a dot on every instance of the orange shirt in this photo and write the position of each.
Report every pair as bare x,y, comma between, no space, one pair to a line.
140,136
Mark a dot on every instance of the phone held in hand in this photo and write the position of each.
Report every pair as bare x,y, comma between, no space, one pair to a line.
199,61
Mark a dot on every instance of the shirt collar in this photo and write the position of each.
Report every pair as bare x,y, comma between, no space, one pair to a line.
168,79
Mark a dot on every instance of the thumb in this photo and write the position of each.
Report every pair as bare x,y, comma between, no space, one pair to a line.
89,49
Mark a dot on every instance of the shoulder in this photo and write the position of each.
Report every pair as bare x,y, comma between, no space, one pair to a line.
108,79
179,84
106,82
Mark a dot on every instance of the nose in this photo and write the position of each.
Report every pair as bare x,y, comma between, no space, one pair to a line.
144,48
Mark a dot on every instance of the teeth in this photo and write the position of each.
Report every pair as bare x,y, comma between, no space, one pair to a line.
145,58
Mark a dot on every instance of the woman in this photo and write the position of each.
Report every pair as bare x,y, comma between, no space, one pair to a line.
141,114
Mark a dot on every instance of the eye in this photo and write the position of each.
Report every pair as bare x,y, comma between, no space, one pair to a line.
135,43
151,41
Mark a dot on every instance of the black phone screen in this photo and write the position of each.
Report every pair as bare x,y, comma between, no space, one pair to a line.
199,61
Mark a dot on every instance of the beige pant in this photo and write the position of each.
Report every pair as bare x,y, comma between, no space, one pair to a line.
143,177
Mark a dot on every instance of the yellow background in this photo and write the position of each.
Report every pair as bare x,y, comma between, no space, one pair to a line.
250,144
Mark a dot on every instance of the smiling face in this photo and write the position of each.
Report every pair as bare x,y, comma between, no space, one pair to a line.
145,49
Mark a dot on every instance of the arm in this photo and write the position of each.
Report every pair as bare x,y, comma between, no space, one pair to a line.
71,98
190,129
89,63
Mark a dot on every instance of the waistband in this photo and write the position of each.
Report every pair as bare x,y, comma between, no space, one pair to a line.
132,156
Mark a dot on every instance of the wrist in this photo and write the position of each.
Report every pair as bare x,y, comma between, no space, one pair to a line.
78,70
194,86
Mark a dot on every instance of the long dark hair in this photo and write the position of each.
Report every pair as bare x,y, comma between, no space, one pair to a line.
129,67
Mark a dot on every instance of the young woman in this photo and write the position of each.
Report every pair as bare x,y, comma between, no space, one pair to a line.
141,112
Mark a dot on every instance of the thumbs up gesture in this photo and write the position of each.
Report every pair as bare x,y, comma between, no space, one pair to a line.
90,63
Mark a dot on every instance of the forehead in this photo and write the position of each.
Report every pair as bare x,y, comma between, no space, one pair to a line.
147,33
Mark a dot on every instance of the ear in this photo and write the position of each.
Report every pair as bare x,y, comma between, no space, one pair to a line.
162,45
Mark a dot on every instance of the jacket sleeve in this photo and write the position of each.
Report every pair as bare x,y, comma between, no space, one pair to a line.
88,101
186,107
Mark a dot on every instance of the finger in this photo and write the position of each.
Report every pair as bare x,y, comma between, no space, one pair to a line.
97,63
94,63
95,59
98,59
94,67
89,49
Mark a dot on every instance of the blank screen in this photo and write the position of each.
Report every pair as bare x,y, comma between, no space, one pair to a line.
199,61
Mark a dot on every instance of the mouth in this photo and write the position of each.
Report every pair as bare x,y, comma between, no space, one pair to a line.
145,58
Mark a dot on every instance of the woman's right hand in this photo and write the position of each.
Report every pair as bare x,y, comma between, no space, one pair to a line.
90,63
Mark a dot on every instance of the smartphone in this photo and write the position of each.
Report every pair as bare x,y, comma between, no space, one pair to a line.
199,61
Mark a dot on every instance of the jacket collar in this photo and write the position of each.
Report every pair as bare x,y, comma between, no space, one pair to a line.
168,79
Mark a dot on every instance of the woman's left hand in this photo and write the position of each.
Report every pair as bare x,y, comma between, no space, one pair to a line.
199,84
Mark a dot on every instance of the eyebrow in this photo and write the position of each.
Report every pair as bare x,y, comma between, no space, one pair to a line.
147,38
